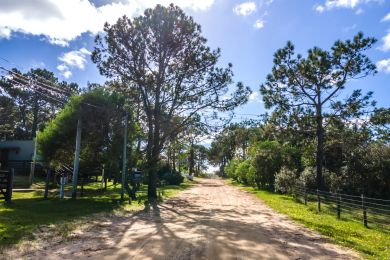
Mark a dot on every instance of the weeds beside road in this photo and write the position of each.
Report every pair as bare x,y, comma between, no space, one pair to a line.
371,242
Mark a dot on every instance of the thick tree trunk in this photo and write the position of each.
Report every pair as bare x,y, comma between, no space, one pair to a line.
191,160
152,185
174,158
320,147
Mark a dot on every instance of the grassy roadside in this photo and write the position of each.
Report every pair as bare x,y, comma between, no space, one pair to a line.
372,243
30,211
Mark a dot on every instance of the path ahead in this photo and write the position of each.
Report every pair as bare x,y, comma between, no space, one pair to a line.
212,220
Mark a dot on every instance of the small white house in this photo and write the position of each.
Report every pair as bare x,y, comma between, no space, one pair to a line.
16,154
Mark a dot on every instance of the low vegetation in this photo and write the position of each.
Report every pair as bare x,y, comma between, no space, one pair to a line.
30,211
371,242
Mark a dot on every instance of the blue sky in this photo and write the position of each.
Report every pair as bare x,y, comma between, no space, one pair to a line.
58,35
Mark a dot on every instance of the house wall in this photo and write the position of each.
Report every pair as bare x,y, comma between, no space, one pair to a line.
24,151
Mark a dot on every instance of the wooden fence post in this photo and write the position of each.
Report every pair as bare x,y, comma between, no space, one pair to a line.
10,185
318,201
364,212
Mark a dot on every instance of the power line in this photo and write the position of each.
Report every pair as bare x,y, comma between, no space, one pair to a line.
37,76
35,81
26,84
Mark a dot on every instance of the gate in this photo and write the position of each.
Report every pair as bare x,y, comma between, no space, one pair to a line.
6,183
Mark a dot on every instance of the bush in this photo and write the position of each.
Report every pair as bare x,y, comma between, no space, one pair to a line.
230,169
267,160
308,178
242,170
172,178
285,180
167,174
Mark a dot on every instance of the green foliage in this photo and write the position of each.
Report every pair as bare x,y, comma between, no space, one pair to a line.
230,169
285,181
168,175
304,90
372,243
172,178
244,172
267,160
187,83
101,115
26,110
308,177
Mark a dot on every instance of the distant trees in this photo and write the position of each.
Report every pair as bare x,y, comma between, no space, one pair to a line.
162,61
311,85
27,101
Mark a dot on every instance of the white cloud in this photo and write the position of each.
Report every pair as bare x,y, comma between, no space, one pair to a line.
383,65
359,11
63,21
5,32
386,18
245,9
65,71
351,4
386,42
73,59
349,28
320,8
258,24
255,97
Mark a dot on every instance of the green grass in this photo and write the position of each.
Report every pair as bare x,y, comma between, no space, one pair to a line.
372,243
30,211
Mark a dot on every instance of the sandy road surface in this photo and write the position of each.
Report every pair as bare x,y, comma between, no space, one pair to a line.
211,220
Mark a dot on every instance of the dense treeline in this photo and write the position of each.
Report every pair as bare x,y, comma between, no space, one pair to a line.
312,137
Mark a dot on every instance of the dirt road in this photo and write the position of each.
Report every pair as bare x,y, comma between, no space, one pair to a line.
211,220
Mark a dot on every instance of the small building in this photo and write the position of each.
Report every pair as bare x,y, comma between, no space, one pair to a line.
17,154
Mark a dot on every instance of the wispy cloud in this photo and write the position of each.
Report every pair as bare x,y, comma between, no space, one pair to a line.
350,4
386,18
259,23
383,65
245,9
63,21
73,59
349,28
255,97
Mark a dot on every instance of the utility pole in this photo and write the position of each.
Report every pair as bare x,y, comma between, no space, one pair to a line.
76,159
32,166
124,156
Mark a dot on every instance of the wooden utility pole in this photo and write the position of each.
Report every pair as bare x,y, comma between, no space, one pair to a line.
124,166
32,166
76,160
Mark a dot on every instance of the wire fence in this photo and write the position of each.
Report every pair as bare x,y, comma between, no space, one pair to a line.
368,211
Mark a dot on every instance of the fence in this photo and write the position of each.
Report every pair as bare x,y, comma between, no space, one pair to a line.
357,208
6,184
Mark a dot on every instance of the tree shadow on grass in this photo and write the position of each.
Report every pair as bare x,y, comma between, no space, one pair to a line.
23,216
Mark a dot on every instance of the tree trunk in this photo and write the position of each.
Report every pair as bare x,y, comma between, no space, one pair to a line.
191,160
320,146
174,157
